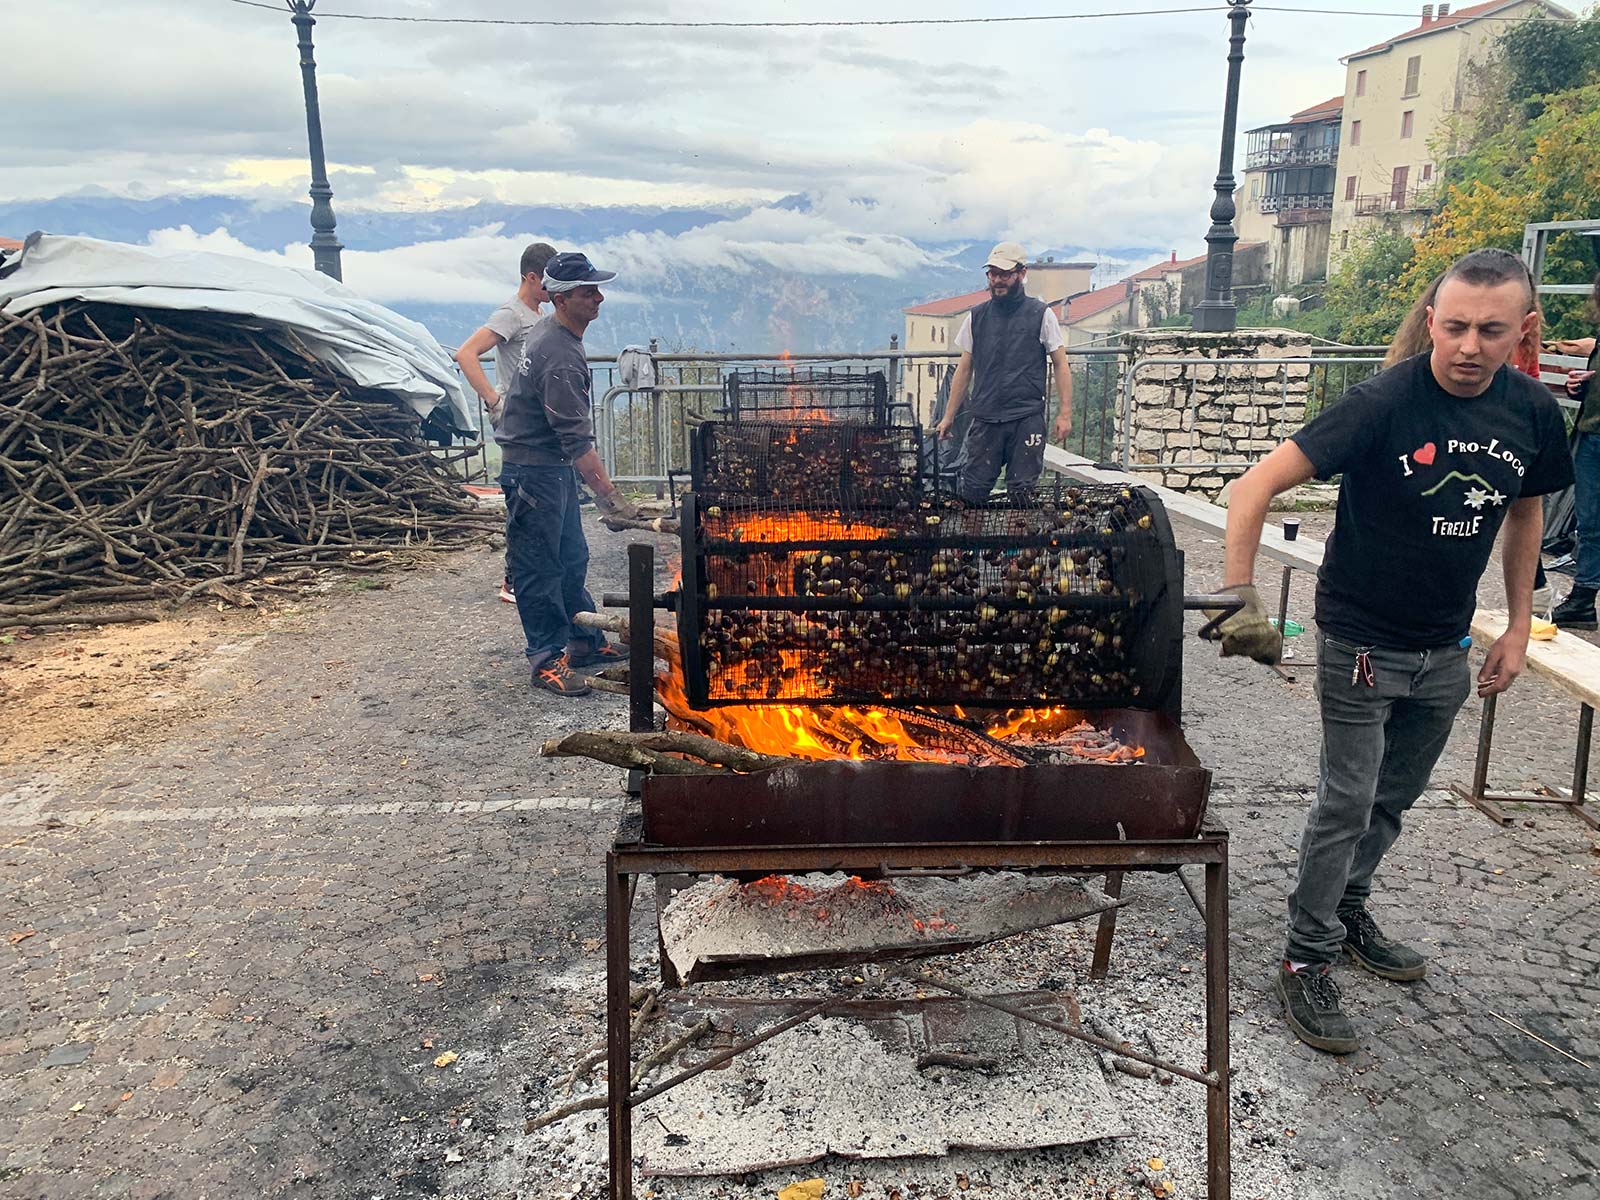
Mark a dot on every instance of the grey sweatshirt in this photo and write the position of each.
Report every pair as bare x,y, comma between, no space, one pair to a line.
547,419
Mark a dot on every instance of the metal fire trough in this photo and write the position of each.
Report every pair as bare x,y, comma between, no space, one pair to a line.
852,817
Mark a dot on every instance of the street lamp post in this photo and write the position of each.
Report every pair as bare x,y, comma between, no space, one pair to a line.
325,245
1217,313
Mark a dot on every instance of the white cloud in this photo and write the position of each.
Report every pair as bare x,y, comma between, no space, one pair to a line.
1068,135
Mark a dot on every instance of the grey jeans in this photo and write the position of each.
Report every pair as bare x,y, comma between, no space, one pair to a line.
1386,715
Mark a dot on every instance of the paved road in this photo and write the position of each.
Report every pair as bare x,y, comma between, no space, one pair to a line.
255,932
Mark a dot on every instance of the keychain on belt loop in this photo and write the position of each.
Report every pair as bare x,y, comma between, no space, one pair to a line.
1363,669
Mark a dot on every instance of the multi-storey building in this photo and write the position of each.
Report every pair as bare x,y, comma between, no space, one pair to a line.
1402,102
1286,200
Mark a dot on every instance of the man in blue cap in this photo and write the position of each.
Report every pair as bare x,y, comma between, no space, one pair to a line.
546,440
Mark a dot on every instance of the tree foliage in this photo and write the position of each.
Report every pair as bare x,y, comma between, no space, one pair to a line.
1543,58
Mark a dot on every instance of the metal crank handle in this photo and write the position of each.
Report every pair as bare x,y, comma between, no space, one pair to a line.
1226,602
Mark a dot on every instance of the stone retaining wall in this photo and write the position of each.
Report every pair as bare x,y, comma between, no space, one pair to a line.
1187,418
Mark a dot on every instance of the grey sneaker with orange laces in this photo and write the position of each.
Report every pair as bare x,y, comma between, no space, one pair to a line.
555,675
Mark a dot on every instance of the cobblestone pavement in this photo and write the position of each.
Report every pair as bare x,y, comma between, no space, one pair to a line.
249,936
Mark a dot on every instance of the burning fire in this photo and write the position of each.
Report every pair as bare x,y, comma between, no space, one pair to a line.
843,732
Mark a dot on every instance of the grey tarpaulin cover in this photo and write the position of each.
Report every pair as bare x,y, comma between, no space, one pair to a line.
371,345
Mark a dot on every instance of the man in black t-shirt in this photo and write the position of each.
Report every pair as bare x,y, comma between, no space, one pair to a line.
1436,454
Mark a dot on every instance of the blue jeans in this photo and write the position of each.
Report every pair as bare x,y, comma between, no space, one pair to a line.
1380,742
1586,508
548,558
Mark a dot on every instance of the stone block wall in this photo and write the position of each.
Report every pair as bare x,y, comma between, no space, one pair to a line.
1237,404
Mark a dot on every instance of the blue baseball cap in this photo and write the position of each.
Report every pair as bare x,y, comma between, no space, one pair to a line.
572,269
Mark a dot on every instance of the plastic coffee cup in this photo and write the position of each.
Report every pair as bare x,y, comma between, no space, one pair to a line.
1291,528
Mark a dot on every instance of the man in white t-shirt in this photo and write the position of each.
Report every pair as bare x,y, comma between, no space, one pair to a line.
1006,343
504,332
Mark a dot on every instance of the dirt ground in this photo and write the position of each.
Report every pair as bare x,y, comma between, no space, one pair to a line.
262,870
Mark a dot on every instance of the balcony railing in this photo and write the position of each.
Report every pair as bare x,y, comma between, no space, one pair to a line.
1293,202
1411,200
1291,156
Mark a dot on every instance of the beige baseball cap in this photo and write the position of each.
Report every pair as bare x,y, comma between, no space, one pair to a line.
1007,256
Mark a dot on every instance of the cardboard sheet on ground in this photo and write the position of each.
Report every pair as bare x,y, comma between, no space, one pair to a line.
718,927
847,1083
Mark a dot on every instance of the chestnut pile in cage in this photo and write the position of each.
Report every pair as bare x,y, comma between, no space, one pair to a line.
869,467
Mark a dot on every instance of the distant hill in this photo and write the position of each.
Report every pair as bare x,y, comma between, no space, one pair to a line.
701,300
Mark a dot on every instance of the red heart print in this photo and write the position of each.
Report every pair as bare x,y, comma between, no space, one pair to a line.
1425,454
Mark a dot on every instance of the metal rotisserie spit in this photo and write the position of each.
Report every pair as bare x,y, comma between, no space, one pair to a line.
948,689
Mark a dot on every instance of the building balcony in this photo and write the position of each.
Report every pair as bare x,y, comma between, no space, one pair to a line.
1284,205
1291,156
1409,200
1305,210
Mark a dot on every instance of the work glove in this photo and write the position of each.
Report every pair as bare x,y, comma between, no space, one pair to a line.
616,506
1246,632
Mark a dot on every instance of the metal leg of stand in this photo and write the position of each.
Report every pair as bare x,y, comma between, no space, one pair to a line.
1490,803
1107,930
1219,1134
619,1044
1580,771
1478,795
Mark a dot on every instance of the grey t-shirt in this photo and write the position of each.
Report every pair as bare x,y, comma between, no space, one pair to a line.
511,322
547,419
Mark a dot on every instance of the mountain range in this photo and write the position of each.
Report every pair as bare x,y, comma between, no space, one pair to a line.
736,290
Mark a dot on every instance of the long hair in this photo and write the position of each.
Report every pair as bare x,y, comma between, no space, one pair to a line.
1412,337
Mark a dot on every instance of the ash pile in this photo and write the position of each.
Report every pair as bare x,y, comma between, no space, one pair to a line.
172,426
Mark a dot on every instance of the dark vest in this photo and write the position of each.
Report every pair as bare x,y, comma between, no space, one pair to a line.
1008,361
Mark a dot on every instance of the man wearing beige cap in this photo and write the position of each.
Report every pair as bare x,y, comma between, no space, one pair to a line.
1006,343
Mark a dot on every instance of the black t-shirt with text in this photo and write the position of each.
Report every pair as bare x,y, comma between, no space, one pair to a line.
1428,478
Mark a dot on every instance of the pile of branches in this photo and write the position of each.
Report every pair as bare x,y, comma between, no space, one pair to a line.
155,455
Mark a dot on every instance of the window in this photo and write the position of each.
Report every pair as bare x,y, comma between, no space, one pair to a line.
1427,172
1349,187
911,332
1355,133
1255,186
1361,83
1413,74
1406,123
1344,239
931,370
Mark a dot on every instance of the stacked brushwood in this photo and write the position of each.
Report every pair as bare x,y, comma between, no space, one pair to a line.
156,455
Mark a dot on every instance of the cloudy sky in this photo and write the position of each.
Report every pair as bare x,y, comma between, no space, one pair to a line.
1081,133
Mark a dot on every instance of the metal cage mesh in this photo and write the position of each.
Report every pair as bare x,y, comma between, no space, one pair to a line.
817,394
1069,598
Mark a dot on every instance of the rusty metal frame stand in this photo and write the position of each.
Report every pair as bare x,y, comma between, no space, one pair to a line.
631,857
1574,800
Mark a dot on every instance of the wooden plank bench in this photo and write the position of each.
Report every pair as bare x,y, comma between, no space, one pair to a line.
1573,665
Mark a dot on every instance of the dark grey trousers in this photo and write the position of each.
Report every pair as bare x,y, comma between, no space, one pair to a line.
1380,741
990,446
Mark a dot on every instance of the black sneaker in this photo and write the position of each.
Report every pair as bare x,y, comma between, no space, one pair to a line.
554,675
605,655
1311,1006
1367,945
1577,610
